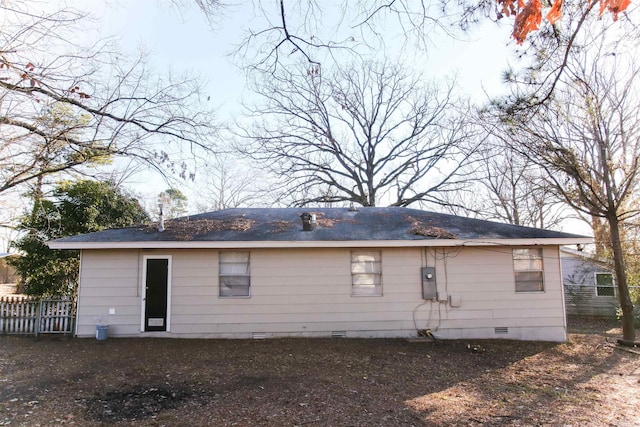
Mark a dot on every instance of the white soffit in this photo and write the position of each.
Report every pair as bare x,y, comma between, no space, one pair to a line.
318,244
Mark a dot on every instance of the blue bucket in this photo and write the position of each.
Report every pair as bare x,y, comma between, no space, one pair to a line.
102,331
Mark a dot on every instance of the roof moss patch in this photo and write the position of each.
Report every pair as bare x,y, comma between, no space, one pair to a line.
421,229
188,229
325,222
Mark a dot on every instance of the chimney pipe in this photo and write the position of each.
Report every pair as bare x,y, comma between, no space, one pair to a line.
161,218
308,221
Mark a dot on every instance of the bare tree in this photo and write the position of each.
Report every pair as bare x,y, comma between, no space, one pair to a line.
64,105
283,30
366,134
11,207
227,183
510,188
631,233
286,31
587,140
516,193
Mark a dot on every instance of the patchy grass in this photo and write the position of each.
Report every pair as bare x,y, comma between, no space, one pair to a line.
282,382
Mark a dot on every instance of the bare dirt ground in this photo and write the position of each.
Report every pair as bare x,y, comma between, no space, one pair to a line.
317,382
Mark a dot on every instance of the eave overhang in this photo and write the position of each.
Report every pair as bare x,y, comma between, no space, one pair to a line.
320,243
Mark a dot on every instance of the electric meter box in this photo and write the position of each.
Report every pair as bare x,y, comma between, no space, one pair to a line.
429,291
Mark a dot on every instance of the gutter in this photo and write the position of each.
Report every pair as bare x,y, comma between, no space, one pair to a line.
320,244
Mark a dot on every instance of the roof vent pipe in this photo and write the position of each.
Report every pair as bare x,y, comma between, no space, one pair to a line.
161,218
308,221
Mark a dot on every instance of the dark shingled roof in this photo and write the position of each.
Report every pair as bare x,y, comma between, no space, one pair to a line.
333,224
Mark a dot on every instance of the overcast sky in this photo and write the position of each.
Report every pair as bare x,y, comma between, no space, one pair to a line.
182,39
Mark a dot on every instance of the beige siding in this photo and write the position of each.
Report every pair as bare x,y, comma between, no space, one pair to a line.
109,280
482,281
308,292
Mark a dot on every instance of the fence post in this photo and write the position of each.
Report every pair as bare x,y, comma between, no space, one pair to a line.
2,314
38,316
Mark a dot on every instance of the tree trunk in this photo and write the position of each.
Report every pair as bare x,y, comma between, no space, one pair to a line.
600,235
628,329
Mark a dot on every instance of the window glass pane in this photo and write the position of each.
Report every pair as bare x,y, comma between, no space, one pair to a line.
605,291
529,281
527,253
527,264
234,286
604,285
234,279
365,262
358,256
604,279
234,268
366,273
366,279
366,267
528,269
241,257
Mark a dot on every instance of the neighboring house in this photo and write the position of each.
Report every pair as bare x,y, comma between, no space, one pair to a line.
589,284
8,276
366,272
7,273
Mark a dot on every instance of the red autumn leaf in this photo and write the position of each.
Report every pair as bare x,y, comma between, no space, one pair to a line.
527,20
508,7
555,13
614,6
529,15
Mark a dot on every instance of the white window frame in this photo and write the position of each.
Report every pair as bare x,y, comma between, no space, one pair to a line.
364,271
613,283
234,274
535,256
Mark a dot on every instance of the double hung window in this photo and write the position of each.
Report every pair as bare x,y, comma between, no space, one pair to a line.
234,276
604,285
366,273
528,270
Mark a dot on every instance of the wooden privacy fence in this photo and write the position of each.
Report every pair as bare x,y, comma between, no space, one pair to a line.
33,316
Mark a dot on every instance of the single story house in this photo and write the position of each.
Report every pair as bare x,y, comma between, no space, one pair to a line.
322,272
589,284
